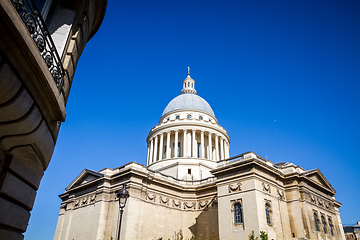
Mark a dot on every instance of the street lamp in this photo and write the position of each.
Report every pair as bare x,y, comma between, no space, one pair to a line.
123,195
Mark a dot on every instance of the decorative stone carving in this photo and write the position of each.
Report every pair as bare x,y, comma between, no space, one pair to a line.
202,205
235,187
327,205
92,198
266,187
63,205
281,194
189,206
151,197
312,198
84,200
176,203
320,201
77,202
164,200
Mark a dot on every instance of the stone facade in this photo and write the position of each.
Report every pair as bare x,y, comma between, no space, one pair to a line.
191,184
38,58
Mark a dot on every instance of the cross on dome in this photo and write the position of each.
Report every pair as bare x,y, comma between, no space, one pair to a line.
188,84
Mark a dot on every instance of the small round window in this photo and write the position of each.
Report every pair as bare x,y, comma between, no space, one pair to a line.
189,116
177,117
200,117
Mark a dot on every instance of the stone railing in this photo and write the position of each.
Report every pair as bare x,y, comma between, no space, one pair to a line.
35,24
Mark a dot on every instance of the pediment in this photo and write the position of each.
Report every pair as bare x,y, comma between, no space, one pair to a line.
84,177
317,177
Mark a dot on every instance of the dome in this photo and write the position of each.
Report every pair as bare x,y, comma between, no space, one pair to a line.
188,101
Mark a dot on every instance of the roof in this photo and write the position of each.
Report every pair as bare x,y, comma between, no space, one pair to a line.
188,101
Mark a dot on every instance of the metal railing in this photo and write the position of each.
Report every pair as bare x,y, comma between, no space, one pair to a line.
36,26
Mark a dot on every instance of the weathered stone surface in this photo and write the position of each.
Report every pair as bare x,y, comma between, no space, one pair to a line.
18,190
13,215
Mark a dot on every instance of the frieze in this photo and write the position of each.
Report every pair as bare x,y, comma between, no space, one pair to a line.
189,206
92,198
82,201
204,204
151,197
281,194
176,203
266,187
164,200
235,187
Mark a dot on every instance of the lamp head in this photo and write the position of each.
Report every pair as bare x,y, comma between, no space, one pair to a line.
123,195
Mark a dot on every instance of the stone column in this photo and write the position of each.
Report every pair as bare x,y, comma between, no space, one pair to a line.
168,147
151,150
147,157
185,144
161,146
193,143
221,148
210,147
156,148
202,145
216,148
176,143
227,150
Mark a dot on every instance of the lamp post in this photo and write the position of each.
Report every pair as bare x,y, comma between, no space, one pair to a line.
123,195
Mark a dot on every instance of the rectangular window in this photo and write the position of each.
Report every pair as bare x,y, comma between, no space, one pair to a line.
173,150
199,150
164,151
189,171
178,153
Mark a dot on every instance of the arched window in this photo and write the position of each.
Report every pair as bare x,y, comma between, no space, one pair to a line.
200,117
316,222
331,227
177,117
267,212
324,224
238,213
188,84
189,116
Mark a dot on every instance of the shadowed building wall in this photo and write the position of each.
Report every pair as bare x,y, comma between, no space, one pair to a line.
39,51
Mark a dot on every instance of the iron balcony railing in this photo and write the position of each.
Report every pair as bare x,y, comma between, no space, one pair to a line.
36,26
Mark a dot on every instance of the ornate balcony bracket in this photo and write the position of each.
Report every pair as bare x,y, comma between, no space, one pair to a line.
35,24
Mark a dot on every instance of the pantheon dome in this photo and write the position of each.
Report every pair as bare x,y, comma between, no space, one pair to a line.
188,141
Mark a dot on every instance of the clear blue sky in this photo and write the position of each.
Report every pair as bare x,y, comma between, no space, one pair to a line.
283,78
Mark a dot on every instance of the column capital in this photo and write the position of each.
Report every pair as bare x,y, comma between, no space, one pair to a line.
176,130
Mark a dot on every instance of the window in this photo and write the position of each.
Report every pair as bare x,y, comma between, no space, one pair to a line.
189,116
267,212
188,84
178,153
189,171
198,150
209,119
316,222
173,150
164,151
200,117
324,224
331,227
177,117
238,213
